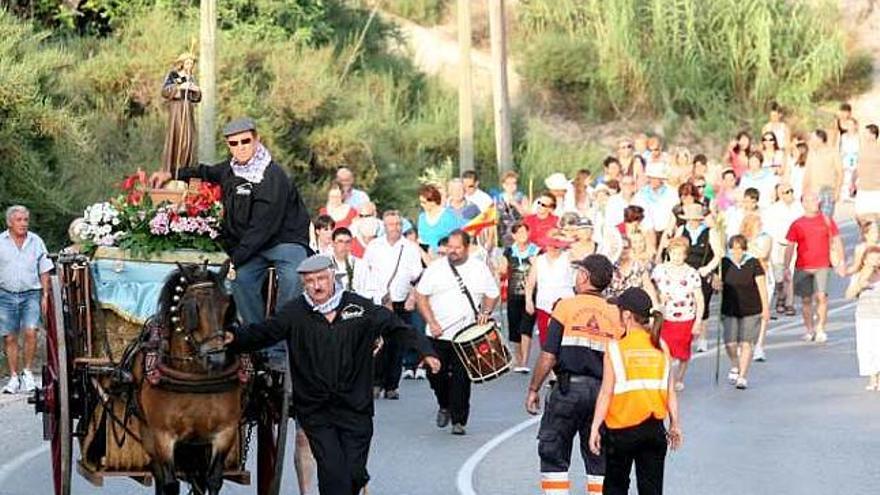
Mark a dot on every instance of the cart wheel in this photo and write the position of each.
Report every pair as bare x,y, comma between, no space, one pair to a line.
53,398
272,432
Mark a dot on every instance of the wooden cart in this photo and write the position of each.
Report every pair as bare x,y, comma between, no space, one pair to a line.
81,404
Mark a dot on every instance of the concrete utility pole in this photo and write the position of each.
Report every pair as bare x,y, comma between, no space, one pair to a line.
500,98
465,90
207,81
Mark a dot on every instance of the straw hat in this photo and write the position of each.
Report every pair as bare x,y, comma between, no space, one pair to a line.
556,181
656,171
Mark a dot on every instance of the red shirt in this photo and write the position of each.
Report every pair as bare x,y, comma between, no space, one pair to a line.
813,240
539,228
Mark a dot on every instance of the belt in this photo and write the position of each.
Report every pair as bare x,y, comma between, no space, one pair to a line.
582,379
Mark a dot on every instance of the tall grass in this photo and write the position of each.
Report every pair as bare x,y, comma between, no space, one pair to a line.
691,57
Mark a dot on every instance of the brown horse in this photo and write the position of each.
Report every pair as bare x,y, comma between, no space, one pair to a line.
190,391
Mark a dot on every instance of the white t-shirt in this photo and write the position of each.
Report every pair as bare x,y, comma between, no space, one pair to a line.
658,205
381,258
555,281
450,306
481,199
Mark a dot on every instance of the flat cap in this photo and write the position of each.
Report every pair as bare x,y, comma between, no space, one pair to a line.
315,263
239,125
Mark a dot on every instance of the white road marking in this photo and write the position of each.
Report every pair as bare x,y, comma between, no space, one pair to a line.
13,465
465,476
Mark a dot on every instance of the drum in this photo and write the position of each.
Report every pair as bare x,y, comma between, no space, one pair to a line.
482,351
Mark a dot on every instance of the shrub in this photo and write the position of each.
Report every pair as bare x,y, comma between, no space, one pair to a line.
427,12
691,57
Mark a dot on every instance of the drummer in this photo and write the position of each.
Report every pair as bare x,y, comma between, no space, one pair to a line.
580,327
454,292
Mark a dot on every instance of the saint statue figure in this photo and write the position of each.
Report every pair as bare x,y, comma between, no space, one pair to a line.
182,93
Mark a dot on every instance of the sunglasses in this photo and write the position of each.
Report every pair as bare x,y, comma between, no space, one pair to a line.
240,142
545,205
626,146
788,191
769,140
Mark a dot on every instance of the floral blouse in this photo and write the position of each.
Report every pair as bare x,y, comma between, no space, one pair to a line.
677,286
620,282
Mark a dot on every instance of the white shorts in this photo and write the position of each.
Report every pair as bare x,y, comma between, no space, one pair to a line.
868,202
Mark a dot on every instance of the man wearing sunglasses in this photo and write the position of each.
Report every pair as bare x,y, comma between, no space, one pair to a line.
265,221
777,219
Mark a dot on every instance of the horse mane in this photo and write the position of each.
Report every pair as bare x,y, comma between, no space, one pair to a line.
192,274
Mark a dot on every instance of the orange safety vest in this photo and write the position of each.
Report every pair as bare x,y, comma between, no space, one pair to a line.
641,378
588,320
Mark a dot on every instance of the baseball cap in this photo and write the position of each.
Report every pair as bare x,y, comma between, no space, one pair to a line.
600,268
635,300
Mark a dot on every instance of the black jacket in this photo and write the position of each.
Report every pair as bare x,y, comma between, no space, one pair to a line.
331,363
256,216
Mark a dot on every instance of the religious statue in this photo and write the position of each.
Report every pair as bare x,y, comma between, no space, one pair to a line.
182,93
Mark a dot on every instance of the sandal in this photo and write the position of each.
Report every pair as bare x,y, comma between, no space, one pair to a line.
789,311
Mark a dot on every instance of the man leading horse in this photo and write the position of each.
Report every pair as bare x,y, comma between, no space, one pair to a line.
331,333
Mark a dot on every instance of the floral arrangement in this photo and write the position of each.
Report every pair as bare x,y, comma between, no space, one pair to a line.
131,220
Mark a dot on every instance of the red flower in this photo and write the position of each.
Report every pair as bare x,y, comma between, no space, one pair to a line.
483,348
134,185
207,195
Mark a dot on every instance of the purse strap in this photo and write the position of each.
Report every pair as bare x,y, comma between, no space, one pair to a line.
396,266
463,288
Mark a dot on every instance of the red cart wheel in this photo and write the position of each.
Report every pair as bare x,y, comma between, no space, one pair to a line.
53,398
272,431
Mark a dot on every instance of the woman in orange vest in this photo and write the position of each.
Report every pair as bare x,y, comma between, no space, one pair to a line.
636,395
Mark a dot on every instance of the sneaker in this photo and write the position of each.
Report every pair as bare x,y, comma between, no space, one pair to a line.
789,311
679,386
702,345
458,429
12,386
377,392
759,355
808,337
27,382
421,374
742,383
443,418
821,337
392,394
408,374
524,370
732,375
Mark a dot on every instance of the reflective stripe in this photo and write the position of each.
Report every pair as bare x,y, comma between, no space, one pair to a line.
623,385
595,484
576,341
630,385
555,483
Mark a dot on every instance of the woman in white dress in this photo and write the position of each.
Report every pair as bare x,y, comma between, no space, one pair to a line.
865,286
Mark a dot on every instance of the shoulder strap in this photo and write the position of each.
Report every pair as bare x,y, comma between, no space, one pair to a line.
463,288
396,266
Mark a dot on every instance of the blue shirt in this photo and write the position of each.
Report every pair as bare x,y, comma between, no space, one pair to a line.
20,268
431,234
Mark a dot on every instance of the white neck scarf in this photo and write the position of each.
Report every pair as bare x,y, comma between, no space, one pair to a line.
253,170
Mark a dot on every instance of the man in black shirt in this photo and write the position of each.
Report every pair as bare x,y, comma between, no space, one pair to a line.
330,333
265,221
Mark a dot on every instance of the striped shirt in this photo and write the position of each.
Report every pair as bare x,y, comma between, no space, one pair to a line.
20,268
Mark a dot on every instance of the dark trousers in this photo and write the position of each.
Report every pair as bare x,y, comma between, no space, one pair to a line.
566,415
388,363
644,445
451,385
340,442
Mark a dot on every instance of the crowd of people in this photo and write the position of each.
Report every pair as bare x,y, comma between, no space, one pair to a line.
622,264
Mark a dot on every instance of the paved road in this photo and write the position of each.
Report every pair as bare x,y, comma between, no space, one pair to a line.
804,426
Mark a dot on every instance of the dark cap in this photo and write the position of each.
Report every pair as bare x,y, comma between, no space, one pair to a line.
239,125
600,268
315,263
635,300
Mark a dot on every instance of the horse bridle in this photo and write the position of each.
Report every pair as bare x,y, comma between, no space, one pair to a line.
183,303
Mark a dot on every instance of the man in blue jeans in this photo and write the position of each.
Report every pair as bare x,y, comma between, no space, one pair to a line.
265,223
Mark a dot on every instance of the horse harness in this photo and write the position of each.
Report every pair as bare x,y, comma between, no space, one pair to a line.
158,370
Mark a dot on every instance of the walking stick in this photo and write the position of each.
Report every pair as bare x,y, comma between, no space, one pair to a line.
720,226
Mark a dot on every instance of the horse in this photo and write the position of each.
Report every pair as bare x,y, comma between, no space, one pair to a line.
190,392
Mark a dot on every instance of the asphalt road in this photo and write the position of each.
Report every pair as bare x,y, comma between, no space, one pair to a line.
805,425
